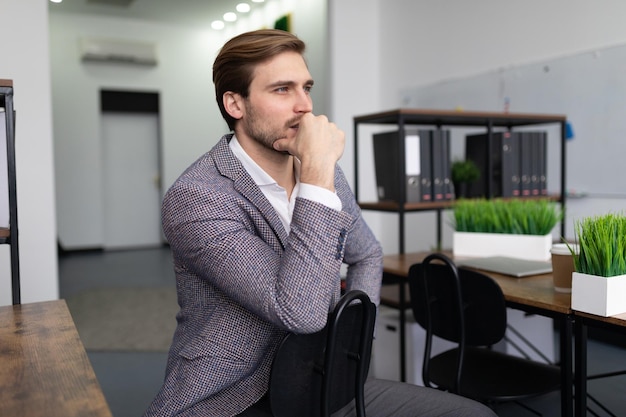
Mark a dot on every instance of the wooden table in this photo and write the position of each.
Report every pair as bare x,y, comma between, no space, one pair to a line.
44,369
533,294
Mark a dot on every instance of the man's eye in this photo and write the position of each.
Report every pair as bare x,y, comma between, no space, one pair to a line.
308,88
282,89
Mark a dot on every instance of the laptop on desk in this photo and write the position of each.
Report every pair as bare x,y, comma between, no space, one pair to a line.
508,266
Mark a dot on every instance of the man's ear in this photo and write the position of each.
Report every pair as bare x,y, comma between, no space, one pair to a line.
233,103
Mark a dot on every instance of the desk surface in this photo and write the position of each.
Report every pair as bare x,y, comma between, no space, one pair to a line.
44,369
534,291
617,320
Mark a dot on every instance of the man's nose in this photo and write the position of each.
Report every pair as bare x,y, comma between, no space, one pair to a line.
304,104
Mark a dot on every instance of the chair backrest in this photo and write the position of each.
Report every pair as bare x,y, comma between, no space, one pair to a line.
459,305
317,374
445,297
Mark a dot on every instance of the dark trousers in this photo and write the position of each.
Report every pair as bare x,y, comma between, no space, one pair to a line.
396,399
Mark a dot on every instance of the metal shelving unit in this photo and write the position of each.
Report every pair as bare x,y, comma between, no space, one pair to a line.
440,119
10,235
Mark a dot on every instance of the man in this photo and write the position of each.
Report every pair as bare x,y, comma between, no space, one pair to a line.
259,228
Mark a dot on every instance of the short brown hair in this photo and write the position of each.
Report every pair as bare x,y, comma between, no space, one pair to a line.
235,63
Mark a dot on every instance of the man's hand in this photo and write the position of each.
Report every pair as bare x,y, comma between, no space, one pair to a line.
318,145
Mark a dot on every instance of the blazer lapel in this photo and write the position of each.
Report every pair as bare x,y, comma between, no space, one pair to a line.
229,166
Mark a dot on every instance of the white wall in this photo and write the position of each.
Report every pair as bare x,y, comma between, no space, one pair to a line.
419,42
190,120
355,85
25,60
437,40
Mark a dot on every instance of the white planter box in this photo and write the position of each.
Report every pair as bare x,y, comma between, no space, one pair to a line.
599,295
532,247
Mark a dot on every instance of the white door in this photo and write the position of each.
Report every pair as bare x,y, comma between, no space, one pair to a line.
131,180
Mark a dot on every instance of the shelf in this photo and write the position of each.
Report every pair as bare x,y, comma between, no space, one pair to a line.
440,119
448,118
394,206
459,118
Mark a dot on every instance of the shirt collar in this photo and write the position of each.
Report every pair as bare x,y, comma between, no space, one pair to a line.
259,176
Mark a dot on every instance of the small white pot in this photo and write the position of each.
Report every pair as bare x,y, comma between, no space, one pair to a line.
532,247
602,296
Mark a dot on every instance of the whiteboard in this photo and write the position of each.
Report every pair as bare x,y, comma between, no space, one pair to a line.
589,88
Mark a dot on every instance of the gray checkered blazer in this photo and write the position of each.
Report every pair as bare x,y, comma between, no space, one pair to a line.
243,282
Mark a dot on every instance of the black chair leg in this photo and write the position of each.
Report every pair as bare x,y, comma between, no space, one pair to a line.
535,412
599,404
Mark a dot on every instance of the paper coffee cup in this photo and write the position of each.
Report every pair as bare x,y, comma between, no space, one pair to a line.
563,266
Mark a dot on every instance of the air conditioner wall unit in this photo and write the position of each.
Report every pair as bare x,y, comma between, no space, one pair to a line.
118,51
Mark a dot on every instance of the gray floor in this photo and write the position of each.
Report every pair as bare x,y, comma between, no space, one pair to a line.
130,380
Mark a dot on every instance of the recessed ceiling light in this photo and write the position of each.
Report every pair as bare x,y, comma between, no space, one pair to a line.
230,17
56,1
243,7
258,1
217,25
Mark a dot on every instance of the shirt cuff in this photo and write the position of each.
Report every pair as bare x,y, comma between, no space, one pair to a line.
320,195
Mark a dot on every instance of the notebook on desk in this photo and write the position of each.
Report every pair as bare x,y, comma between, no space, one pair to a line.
508,266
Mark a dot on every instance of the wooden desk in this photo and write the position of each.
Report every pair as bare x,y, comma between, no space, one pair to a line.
533,294
529,292
44,370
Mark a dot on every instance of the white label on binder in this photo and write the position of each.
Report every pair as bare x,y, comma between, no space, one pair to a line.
412,154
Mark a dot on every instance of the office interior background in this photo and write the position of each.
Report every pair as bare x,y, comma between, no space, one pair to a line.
364,54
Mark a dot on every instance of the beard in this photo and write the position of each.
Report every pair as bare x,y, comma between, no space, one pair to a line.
261,130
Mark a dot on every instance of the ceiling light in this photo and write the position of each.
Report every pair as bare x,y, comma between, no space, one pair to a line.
243,7
258,1
217,25
230,17
56,1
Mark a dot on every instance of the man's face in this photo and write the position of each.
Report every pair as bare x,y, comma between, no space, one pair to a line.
279,97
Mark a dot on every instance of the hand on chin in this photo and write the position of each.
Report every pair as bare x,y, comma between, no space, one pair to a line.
284,144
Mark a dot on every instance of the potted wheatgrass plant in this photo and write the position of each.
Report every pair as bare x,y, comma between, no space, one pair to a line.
517,228
599,280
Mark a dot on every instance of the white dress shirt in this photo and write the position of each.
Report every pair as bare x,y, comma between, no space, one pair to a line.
276,194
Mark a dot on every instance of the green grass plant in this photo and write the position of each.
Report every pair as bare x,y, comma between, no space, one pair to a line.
602,245
465,171
512,216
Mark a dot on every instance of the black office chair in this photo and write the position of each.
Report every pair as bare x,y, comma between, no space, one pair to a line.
318,374
468,308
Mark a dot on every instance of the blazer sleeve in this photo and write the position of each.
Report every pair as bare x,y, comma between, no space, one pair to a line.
363,253
220,239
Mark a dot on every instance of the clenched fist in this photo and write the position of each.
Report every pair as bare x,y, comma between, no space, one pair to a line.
318,145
